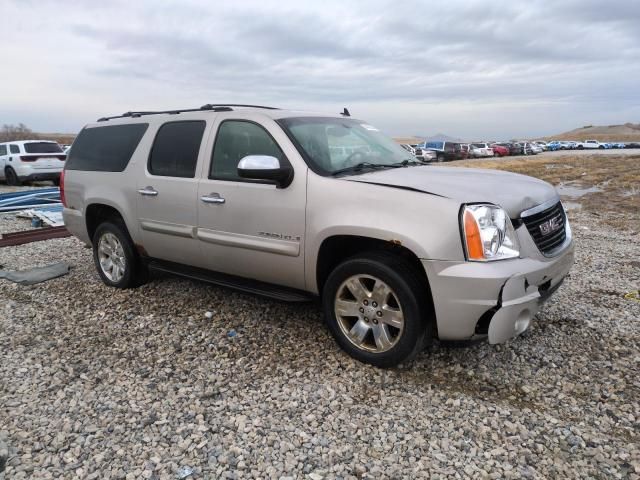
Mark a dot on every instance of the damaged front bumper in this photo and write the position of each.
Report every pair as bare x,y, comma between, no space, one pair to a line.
497,299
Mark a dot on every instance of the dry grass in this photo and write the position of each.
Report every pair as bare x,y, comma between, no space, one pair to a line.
617,176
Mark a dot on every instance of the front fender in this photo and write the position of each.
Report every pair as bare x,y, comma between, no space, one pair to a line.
424,223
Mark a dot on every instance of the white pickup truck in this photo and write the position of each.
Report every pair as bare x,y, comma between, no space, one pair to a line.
589,144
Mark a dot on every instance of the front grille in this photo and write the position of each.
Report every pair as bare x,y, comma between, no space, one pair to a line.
547,228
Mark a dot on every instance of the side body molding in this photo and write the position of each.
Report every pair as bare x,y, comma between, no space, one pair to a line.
168,228
251,242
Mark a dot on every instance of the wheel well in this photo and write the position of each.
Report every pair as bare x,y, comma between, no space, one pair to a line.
97,213
334,250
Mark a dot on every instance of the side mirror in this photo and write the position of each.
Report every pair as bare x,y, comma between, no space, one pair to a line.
265,167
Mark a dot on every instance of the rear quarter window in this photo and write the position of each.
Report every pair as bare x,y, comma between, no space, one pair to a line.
105,149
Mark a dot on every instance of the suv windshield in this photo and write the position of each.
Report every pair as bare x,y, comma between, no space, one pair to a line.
333,144
42,147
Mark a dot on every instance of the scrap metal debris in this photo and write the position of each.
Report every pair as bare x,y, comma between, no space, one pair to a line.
50,215
28,236
36,275
22,200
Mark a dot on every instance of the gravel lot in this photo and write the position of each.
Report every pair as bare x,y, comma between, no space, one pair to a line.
99,383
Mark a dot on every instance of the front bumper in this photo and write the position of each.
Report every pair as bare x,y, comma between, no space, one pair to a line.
497,299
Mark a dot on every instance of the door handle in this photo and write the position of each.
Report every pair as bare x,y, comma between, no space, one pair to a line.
148,191
212,198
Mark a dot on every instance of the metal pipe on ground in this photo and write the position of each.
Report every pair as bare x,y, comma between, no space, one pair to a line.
28,236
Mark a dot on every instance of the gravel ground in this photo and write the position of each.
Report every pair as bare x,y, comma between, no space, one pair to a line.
98,383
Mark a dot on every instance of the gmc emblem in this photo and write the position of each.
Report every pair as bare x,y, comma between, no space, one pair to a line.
551,225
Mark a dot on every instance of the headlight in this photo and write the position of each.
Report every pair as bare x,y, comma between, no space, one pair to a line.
488,233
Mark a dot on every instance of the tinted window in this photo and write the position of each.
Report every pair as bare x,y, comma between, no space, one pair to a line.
175,149
105,149
39,147
3,149
16,149
435,145
236,140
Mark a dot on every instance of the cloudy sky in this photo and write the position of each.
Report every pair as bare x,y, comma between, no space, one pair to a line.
498,69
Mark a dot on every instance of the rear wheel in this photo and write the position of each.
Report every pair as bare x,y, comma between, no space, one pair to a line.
115,258
376,310
11,177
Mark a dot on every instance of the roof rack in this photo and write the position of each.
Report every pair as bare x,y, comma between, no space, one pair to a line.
217,107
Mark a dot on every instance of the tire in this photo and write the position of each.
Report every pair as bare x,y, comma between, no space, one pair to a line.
56,181
580,147
12,178
601,147
440,158
113,245
389,333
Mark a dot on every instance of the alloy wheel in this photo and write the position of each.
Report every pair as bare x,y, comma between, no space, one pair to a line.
369,313
111,256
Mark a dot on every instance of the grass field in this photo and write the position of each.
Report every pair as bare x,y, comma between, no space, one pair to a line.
617,178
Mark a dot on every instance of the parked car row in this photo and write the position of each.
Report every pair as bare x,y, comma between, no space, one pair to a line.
589,144
444,151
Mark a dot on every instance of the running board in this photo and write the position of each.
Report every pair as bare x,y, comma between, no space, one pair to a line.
255,287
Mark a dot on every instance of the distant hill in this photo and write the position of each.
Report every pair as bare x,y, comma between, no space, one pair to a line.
628,132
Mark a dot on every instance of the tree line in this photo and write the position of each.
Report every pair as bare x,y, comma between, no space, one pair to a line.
9,133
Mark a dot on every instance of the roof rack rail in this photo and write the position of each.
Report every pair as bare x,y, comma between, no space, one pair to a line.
218,107
209,106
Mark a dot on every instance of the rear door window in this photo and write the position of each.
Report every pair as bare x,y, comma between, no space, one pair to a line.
15,149
105,149
175,149
3,150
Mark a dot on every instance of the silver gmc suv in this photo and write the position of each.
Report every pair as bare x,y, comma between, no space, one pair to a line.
295,205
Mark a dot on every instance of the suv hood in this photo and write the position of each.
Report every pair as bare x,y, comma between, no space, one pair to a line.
511,191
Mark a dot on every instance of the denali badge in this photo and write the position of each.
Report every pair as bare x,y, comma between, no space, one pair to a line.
551,225
280,236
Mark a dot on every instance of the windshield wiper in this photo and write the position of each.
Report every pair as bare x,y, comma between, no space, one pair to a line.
364,165
406,163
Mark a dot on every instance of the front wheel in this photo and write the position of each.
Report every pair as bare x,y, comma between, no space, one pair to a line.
117,262
440,158
376,308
